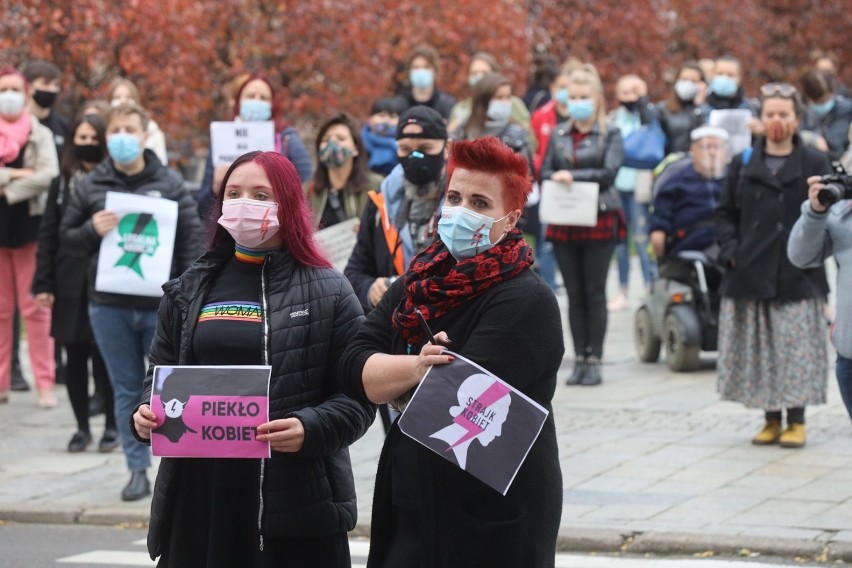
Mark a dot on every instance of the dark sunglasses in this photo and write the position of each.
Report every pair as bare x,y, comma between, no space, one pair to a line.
778,89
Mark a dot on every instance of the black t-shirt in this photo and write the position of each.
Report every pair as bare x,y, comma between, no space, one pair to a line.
230,325
17,226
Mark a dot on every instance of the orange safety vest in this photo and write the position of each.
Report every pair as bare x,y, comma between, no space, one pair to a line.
391,235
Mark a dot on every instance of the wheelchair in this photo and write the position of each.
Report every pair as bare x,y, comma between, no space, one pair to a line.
681,312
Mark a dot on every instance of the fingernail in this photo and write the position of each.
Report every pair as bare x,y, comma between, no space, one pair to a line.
450,358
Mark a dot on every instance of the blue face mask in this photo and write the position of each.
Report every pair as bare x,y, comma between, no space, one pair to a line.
561,96
421,78
255,110
384,129
822,109
499,111
581,109
465,232
723,86
124,148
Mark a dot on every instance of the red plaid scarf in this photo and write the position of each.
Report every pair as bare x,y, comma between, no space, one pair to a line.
436,284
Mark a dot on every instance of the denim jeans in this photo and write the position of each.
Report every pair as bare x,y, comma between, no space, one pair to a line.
844,381
124,338
637,215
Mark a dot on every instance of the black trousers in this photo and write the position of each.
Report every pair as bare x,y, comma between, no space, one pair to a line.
795,415
77,382
584,267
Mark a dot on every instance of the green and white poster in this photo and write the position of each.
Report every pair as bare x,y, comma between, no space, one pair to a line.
136,257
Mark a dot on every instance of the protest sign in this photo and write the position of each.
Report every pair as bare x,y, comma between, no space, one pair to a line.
136,257
210,411
338,241
735,123
462,403
230,140
574,204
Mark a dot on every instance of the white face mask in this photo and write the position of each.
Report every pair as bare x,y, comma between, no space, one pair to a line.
499,111
249,221
686,90
12,103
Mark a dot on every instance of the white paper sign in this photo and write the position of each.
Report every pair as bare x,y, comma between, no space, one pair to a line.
575,204
338,241
136,257
230,140
644,182
735,123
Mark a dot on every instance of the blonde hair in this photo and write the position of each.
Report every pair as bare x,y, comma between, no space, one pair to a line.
127,84
587,75
127,109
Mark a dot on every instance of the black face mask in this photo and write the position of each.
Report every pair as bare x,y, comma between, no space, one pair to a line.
45,99
630,106
421,168
91,153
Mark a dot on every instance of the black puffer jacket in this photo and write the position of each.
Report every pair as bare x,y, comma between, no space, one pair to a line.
77,232
311,492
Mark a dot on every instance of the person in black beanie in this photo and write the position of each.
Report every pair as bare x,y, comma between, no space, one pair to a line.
401,219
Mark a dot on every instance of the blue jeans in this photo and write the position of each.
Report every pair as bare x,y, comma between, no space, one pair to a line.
844,381
124,338
637,230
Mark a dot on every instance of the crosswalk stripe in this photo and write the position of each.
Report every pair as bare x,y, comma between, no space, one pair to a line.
580,561
110,558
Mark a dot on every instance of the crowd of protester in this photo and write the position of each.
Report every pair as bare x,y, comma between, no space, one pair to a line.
415,227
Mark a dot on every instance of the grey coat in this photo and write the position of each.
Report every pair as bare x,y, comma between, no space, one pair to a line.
814,238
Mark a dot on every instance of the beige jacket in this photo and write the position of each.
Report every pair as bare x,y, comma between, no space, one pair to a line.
39,155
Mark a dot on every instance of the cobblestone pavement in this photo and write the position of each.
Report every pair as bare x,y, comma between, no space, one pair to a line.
652,461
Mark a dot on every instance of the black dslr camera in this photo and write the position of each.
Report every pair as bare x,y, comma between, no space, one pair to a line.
837,186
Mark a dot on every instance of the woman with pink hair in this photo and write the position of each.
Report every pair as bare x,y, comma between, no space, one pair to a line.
296,314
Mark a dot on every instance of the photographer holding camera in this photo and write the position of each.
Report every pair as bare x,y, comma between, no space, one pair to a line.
824,229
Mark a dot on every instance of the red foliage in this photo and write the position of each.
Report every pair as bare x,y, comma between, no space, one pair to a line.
330,55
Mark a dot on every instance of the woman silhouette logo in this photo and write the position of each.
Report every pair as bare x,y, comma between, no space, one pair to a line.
174,399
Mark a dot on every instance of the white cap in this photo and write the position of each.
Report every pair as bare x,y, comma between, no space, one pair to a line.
708,132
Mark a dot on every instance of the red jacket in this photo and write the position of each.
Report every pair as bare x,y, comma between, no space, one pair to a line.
543,121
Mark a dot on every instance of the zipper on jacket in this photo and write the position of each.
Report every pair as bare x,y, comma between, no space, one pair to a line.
265,353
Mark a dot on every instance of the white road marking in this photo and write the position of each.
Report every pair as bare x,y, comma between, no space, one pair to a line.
110,558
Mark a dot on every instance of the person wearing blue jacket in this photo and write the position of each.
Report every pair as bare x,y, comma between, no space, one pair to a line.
685,204
379,135
256,101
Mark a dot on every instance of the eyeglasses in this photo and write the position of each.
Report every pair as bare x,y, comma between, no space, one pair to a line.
778,89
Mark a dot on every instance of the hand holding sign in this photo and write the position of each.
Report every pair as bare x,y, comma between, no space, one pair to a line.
104,221
285,435
144,420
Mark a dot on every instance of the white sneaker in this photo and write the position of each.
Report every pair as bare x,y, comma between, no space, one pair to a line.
619,303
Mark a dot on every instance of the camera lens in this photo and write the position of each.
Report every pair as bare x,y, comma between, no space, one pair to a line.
830,194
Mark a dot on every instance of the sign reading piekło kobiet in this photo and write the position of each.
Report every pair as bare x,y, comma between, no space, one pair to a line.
135,258
210,411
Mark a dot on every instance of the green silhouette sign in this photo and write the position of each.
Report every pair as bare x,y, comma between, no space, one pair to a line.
139,236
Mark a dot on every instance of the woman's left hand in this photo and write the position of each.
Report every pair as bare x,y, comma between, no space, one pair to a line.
284,435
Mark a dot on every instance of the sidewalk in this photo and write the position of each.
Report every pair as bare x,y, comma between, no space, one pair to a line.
652,462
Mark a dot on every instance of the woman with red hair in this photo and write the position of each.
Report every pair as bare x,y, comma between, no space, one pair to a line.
475,288
295,508
28,164
256,100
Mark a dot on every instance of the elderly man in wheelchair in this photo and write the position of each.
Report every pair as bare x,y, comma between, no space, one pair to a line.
682,309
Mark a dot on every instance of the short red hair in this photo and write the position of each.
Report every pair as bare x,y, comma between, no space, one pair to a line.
491,156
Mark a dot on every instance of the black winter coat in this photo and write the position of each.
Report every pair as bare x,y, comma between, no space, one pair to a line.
756,212
310,493
76,229
513,330
61,269
677,126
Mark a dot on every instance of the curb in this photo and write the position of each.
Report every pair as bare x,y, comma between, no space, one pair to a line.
568,540
688,544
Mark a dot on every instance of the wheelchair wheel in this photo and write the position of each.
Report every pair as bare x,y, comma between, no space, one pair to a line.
679,356
646,341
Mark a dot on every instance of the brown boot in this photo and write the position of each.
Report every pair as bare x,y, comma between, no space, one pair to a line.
769,435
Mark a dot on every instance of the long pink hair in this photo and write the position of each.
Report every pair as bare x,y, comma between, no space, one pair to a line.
294,213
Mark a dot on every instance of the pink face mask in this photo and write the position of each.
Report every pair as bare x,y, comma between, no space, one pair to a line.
250,222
